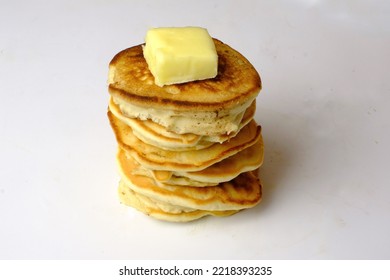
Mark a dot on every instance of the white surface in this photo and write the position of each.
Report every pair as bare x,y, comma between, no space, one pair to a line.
323,108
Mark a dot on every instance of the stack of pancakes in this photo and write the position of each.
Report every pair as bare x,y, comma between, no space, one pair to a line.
186,150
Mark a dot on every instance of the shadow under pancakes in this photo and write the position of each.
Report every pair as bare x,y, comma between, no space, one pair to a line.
281,134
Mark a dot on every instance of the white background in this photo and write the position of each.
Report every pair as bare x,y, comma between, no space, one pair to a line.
324,109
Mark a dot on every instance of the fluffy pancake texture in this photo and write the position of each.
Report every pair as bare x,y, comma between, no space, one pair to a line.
157,135
190,150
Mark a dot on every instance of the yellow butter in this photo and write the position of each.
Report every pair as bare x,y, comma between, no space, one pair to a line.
180,54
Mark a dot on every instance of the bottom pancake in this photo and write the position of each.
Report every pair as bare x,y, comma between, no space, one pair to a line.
242,192
163,211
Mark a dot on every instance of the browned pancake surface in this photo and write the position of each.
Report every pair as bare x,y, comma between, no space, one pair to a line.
237,82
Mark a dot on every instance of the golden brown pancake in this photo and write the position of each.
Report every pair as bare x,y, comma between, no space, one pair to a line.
155,158
247,160
161,210
237,79
208,107
242,192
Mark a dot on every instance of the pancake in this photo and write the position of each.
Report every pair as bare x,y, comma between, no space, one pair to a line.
155,158
208,107
156,135
186,150
161,210
242,192
247,160
164,178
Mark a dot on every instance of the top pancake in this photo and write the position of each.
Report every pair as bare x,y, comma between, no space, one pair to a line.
237,83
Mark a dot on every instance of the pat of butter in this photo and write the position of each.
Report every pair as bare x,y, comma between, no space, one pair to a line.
180,54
